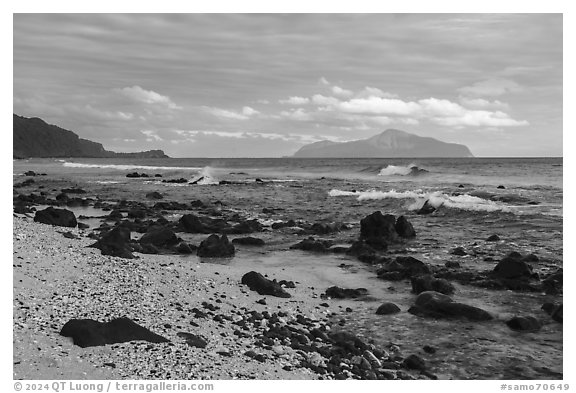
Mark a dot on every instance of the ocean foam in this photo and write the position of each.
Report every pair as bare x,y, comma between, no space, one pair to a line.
393,170
128,167
436,199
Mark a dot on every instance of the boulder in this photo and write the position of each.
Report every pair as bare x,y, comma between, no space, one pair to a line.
437,305
528,323
427,208
247,226
248,241
553,284
91,333
404,228
311,244
115,242
185,248
319,228
363,251
429,283
459,251
452,264
512,266
216,247
556,312
159,236
192,224
345,293
378,230
58,217
401,268
257,282
493,238
154,195
387,308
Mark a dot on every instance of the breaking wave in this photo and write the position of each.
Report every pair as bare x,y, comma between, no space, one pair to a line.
393,170
436,199
205,177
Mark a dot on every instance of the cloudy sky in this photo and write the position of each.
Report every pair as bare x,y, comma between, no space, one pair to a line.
241,85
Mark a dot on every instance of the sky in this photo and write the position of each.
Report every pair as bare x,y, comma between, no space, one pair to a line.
263,85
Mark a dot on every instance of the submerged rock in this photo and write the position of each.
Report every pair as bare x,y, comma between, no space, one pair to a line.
257,282
429,283
248,241
312,244
90,333
57,217
346,293
427,208
528,323
437,305
214,246
404,228
154,195
401,268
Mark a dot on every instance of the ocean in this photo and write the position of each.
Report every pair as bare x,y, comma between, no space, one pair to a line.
518,199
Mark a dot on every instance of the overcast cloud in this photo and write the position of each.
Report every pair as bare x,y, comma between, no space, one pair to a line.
233,85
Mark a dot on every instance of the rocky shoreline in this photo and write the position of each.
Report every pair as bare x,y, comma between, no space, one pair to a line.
123,300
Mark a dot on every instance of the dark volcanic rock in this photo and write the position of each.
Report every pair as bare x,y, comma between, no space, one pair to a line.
248,241
363,251
493,238
458,251
247,226
378,230
311,244
404,228
429,283
414,362
154,195
193,340
346,293
159,236
193,224
437,305
58,217
528,323
257,282
512,266
401,268
115,242
427,208
452,264
553,284
214,246
556,312
387,308
73,191
185,248
90,333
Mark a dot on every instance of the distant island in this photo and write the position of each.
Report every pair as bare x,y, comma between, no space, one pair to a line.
33,137
388,144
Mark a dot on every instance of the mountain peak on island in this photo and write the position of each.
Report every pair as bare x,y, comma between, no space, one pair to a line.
391,143
33,137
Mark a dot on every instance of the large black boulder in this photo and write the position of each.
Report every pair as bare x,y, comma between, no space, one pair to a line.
378,230
91,333
312,244
115,242
257,282
387,308
436,305
528,324
404,228
58,217
429,283
556,312
513,266
215,247
160,237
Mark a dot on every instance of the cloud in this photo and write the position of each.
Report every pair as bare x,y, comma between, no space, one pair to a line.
323,81
374,92
295,100
138,94
320,99
297,114
480,119
248,111
483,103
151,136
491,87
341,92
379,106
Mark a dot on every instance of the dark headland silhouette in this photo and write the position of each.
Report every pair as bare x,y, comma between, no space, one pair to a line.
33,137
390,143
